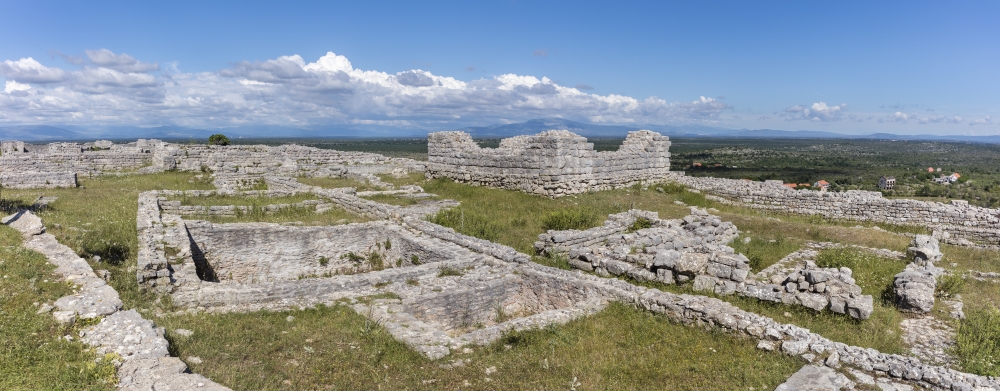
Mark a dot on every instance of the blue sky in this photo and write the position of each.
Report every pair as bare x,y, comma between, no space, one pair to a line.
852,67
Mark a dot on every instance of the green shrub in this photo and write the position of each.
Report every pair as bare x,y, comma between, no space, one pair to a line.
218,139
949,285
447,271
323,261
639,223
569,219
414,259
977,342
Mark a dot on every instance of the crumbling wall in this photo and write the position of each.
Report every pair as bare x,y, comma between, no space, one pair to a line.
958,222
553,163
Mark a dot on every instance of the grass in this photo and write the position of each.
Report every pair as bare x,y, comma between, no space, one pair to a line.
977,342
618,348
333,183
396,200
575,218
98,218
33,356
226,200
763,253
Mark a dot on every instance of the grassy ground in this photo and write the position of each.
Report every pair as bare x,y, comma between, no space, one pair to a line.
297,215
33,355
397,200
98,218
224,200
333,183
331,348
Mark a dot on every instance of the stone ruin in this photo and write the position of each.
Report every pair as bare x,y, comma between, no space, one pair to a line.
957,223
431,287
553,163
60,164
639,245
915,285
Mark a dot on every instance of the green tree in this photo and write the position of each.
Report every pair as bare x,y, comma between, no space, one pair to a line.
218,139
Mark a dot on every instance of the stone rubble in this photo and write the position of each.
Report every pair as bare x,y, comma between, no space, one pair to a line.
694,249
915,285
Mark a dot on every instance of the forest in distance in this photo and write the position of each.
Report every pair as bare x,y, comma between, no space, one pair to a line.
847,164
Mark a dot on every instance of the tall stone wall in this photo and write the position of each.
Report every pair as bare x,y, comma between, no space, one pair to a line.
958,222
553,163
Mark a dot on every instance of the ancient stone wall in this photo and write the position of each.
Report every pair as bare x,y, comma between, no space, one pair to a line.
553,163
958,222
260,252
57,160
37,180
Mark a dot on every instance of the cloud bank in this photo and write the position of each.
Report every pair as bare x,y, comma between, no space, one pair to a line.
108,88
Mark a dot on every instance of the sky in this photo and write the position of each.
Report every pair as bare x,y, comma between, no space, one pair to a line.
852,67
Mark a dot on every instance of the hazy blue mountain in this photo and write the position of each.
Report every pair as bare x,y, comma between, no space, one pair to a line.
37,132
540,125
42,133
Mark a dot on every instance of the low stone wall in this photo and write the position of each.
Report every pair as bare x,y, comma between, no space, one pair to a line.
260,252
959,223
58,160
677,251
553,163
37,180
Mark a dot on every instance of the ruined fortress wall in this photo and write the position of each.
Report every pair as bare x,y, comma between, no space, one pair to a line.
553,163
959,221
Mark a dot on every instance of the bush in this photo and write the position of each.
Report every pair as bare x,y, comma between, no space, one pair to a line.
569,219
977,342
639,223
218,139
949,285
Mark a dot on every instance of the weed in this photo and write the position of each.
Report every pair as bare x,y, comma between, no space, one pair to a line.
639,223
577,218
448,271
977,342
375,261
323,261
949,285
415,260
412,282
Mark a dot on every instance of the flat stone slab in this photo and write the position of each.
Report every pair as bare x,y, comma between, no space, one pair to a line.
127,334
816,378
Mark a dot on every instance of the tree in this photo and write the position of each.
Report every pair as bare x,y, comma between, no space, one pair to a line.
218,139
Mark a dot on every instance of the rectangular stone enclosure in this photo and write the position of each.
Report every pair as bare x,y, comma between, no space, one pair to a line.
250,253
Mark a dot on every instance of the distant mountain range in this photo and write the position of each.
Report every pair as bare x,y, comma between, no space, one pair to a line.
70,133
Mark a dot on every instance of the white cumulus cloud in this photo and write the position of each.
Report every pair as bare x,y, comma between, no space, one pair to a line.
817,112
118,89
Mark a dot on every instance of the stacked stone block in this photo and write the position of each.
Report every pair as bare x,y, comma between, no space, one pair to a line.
553,163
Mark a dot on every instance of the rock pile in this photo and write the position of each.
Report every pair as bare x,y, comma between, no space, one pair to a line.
915,285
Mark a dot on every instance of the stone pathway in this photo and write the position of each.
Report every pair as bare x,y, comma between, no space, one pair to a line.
146,364
929,339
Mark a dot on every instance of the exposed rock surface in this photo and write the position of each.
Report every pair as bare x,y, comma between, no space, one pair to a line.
816,378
